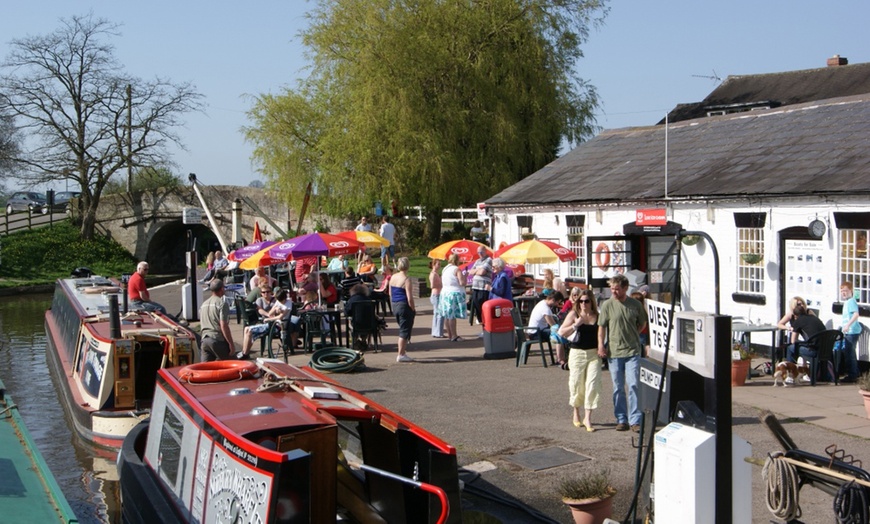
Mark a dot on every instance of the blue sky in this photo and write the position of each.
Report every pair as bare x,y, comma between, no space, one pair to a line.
646,58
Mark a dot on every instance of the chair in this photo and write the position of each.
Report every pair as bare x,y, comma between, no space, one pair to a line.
823,343
524,343
246,312
282,333
364,321
313,325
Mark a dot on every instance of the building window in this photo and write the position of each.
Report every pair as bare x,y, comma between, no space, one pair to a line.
750,260
577,244
854,264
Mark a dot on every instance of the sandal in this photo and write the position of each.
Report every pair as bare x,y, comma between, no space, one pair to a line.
457,339
564,365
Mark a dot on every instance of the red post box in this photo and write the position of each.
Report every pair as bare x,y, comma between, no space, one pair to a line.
498,329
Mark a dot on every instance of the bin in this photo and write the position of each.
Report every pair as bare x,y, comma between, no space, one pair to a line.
498,329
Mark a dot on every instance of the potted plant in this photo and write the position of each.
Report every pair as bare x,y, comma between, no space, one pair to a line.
864,389
589,495
528,236
691,240
740,361
751,258
575,237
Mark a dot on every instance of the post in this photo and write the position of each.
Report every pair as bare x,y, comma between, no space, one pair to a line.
129,138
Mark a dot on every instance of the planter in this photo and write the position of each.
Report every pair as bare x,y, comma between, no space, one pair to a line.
528,236
691,240
590,511
751,258
866,395
573,237
739,371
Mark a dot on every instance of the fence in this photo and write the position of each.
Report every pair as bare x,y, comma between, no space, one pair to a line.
28,220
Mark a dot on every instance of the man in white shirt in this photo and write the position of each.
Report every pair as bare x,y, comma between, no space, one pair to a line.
388,231
364,225
542,316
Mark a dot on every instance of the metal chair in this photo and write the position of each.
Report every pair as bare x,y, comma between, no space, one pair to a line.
280,332
365,322
823,343
313,325
524,343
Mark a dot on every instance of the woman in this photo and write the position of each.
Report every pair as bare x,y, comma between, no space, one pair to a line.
435,285
328,292
451,303
561,342
402,296
551,283
785,322
584,383
209,268
366,270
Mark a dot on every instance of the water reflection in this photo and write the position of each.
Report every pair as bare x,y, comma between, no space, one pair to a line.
88,481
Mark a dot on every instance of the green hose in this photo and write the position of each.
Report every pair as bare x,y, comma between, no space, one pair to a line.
336,360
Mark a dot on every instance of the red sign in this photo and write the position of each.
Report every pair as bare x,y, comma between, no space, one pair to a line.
651,217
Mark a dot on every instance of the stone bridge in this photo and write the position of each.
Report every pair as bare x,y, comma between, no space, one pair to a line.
150,224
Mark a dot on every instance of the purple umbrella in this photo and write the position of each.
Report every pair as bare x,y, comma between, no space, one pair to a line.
244,253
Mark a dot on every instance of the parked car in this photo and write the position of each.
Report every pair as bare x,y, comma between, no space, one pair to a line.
26,201
62,198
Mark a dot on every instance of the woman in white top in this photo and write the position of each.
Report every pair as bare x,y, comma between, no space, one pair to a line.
451,303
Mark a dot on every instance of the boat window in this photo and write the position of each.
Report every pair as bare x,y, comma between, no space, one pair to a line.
170,446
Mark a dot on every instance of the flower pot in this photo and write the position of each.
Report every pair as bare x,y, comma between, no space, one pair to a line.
739,371
691,240
751,258
528,236
573,237
590,511
866,395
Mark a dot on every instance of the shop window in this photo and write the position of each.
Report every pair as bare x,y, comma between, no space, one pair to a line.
750,260
854,263
577,244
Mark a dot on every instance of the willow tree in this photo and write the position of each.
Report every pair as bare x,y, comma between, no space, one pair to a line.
437,103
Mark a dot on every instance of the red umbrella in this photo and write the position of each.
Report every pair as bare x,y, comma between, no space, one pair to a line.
466,249
258,237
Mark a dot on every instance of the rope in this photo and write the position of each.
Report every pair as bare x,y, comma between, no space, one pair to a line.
851,505
336,360
783,491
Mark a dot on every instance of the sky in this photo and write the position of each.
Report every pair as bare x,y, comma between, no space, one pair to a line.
644,59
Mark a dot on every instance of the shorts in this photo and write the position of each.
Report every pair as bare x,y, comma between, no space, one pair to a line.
391,249
405,317
258,330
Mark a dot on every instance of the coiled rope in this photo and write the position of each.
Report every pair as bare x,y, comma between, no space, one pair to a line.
783,491
851,505
336,360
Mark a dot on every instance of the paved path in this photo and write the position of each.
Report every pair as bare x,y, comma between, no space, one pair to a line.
491,409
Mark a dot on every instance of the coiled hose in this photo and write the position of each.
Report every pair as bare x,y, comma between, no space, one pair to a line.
336,360
783,491
851,504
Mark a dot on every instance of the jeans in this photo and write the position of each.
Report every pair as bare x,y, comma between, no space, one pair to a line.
437,319
625,372
851,356
791,352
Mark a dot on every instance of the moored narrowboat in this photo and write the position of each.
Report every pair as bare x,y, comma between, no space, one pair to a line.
105,364
267,441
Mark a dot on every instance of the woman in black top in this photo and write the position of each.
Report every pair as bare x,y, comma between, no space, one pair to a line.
584,383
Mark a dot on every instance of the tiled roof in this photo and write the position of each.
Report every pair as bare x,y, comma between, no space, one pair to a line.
806,149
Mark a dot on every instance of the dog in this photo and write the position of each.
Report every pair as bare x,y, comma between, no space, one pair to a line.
789,370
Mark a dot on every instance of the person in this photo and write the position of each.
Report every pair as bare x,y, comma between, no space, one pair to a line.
328,292
481,282
209,268
584,382
643,335
303,268
478,234
310,301
851,329
388,231
620,321
366,270
542,318
221,265
363,225
553,283
402,297
217,338
435,286
265,301
349,281
380,292
309,283
337,264
137,291
501,287
804,325
451,303
785,322
358,293
280,310
261,277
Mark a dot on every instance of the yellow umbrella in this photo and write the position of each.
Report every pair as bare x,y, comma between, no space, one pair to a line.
366,237
535,252
466,249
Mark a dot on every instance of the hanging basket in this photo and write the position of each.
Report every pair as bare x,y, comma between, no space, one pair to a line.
574,237
691,240
751,258
528,236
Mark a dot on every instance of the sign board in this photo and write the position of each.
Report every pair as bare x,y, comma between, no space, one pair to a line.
805,272
657,312
481,211
651,217
191,215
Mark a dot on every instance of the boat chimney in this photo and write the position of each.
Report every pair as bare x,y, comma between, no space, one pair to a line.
114,317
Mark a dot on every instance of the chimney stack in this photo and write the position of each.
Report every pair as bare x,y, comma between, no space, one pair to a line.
837,60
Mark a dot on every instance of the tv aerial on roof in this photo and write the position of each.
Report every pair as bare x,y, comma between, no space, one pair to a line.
714,77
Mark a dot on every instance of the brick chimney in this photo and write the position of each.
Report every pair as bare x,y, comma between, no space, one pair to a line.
837,60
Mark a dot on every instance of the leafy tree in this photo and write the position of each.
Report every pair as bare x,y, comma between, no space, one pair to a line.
146,179
86,118
441,103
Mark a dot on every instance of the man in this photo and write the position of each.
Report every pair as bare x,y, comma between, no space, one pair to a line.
364,225
137,291
481,282
217,339
388,231
851,329
502,287
260,277
542,316
620,321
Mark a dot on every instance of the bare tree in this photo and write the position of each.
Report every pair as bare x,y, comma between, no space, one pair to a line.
82,118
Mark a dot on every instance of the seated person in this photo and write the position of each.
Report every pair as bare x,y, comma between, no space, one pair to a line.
221,265
328,291
308,283
261,276
337,264
358,293
280,310
542,316
265,301
382,291
310,302
805,325
350,279
366,270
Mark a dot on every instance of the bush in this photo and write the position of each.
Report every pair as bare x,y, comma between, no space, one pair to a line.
592,485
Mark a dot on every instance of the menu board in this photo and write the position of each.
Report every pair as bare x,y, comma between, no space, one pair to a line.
804,271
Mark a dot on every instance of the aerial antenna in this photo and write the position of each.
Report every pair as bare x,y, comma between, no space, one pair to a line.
714,77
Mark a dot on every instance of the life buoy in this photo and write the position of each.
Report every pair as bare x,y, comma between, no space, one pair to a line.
218,371
602,256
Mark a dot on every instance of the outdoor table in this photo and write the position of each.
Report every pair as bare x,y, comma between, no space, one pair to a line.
745,330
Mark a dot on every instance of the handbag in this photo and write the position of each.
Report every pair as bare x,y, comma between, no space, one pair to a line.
573,337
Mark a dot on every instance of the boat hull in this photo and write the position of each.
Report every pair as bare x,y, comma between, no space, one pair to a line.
142,500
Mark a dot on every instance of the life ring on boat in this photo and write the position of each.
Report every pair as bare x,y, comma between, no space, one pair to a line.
602,256
218,371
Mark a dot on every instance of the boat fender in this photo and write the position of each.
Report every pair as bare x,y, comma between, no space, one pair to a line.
218,371
602,256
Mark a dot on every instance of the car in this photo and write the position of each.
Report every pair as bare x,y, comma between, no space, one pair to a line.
26,201
62,198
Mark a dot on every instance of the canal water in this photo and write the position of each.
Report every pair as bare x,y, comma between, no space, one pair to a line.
89,481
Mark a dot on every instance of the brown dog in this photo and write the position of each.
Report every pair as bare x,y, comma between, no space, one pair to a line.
788,370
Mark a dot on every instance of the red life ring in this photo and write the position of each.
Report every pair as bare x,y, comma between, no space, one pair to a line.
602,256
218,371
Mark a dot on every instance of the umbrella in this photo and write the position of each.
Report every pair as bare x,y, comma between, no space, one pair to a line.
258,237
366,237
274,253
535,252
466,249
244,253
322,245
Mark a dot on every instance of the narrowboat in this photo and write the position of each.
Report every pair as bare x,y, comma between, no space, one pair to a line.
105,364
266,441
28,491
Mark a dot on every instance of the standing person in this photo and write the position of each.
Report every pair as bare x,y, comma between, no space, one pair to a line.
620,322
304,266
851,329
137,291
214,314
584,383
363,225
402,296
388,231
481,282
502,287
435,285
451,303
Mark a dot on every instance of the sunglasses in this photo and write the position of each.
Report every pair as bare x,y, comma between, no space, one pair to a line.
586,301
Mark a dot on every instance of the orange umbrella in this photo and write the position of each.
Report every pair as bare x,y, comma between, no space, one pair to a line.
535,252
466,249
258,237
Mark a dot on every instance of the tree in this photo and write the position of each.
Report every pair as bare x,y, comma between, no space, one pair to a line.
9,143
146,179
81,116
436,103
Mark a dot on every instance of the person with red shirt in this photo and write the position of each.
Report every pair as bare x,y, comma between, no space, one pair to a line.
137,291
